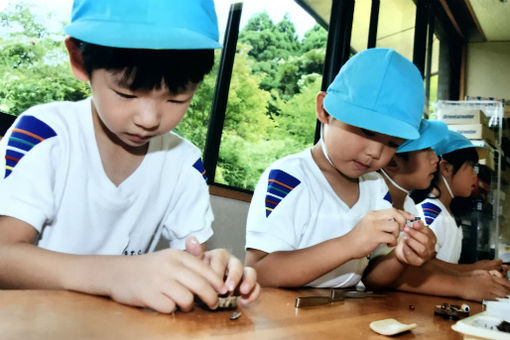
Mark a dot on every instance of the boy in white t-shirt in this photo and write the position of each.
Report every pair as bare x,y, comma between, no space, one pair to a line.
90,183
315,216
412,168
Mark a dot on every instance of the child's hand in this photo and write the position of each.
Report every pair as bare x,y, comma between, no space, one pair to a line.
164,280
242,280
483,286
377,227
492,265
417,245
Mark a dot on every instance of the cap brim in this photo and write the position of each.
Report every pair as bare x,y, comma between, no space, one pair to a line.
135,36
433,133
369,119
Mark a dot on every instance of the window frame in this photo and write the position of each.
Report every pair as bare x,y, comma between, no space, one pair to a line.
337,53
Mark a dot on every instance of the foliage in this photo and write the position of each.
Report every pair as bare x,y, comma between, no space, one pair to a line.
33,66
271,104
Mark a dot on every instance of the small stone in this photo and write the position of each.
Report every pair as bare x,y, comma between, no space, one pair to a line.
235,315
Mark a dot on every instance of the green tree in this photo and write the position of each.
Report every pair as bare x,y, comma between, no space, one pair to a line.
246,127
269,43
316,37
33,66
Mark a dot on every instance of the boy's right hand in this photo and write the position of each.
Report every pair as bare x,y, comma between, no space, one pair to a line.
377,227
164,280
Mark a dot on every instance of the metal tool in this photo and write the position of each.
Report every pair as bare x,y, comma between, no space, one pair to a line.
335,295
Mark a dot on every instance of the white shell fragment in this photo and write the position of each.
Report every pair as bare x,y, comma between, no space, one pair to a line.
390,326
228,302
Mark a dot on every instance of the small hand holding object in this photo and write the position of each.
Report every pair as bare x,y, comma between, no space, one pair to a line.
377,227
238,279
417,245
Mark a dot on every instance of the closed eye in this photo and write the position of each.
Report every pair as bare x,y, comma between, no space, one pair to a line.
367,132
124,95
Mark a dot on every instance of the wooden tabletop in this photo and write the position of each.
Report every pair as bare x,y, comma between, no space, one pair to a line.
56,315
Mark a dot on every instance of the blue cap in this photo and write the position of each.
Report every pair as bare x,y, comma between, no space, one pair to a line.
431,133
378,90
453,141
151,24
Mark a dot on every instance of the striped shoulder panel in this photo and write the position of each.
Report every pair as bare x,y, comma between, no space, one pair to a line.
27,133
199,166
279,185
430,211
387,197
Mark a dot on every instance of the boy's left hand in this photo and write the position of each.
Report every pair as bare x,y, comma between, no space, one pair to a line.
238,279
417,245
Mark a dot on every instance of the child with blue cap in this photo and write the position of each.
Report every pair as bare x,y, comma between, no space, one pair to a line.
455,177
88,184
316,216
413,167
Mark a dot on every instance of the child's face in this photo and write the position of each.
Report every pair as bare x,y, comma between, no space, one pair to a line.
419,169
134,117
356,151
464,181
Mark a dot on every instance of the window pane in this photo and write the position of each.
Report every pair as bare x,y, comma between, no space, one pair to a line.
360,25
433,75
196,121
395,28
271,105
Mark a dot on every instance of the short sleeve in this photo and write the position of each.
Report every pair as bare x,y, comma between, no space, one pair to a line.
278,212
190,210
431,213
31,154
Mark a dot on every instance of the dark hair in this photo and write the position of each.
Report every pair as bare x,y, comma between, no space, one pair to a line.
145,69
403,155
456,158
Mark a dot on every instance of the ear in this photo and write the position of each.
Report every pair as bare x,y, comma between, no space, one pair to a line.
445,168
76,60
393,165
322,114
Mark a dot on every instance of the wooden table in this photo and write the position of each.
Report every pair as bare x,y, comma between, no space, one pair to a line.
56,315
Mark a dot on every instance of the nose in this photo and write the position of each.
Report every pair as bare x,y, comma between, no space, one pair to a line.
374,149
147,116
434,158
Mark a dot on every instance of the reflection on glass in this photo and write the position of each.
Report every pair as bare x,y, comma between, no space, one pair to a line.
360,25
271,105
433,75
395,28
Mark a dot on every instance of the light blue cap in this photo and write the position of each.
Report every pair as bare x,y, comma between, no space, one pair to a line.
149,24
378,90
431,133
453,141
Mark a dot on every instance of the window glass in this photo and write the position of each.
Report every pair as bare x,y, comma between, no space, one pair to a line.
271,104
34,67
360,25
395,28
432,77
196,121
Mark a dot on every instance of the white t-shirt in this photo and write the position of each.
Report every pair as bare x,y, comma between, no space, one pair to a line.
55,182
448,234
294,207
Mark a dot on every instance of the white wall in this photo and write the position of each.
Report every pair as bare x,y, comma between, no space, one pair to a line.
229,225
488,69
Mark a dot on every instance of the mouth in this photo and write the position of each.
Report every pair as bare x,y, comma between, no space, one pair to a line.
360,166
138,138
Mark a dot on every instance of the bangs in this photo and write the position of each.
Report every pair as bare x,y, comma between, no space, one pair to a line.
146,69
